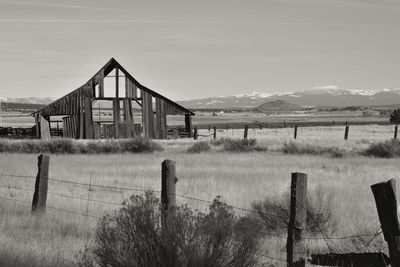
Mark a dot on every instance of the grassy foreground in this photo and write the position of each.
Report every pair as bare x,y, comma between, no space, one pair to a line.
240,178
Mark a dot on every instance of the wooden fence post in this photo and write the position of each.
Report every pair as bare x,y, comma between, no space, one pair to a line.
296,252
215,132
42,177
295,132
168,197
386,204
395,132
346,132
209,128
246,130
260,125
195,133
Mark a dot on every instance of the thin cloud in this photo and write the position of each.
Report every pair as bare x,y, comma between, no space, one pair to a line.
52,5
227,22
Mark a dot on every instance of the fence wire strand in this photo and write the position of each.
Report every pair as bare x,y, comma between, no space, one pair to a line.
324,236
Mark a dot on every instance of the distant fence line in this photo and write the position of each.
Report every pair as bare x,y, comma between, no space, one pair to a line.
384,194
295,127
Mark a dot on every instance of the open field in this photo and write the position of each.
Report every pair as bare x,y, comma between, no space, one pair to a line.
232,120
241,178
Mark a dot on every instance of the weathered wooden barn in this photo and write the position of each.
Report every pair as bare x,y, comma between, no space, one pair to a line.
76,109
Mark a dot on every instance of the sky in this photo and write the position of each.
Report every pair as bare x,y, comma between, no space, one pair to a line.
186,49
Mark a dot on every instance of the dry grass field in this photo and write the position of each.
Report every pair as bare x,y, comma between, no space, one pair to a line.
240,178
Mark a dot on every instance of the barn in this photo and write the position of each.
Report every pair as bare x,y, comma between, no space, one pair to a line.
133,109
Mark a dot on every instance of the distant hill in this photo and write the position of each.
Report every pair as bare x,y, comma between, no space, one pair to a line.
276,106
7,106
28,100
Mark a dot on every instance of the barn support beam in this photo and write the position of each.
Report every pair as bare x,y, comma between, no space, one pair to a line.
116,82
147,115
161,119
188,124
128,118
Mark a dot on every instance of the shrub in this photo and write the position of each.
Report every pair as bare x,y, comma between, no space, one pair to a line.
319,212
241,145
386,149
135,237
295,148
69,146
219,141
199,147
395,116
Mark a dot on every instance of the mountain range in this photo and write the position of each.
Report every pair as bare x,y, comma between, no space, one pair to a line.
319,96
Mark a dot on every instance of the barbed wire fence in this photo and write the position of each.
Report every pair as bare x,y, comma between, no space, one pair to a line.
330,240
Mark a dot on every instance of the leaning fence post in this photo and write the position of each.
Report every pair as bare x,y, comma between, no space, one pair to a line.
168,197
346,132
246,130
386,204
195,134
42,177
215,132
295,132
395,132
296,252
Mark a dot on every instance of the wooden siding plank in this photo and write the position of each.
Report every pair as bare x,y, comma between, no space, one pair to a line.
44,128
116,117
88,119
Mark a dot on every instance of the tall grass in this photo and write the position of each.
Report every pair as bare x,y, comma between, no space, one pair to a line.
69,146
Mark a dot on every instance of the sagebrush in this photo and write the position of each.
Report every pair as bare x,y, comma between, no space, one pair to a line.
320,216
199,147
385,149
298,148
136,237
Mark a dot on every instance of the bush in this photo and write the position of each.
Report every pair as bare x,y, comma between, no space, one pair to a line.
219,141
395,116
241,145
199,147
319,212
69,146
295,148
135,237
386,149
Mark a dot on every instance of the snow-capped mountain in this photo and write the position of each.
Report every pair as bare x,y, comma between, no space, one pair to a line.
318,96
28,100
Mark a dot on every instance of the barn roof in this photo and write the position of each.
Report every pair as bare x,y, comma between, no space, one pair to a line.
106,69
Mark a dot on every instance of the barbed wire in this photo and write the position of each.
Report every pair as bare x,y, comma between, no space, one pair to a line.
17,176
324,236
